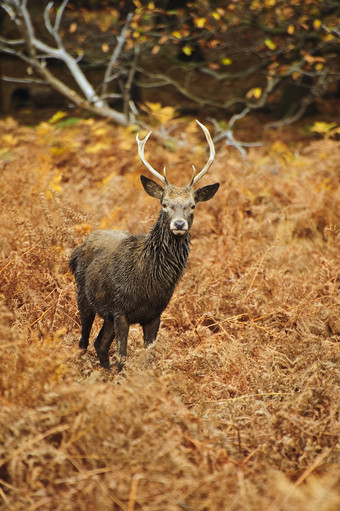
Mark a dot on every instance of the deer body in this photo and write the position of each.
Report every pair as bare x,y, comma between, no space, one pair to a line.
127,278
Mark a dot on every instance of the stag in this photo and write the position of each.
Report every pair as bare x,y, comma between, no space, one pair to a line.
130,278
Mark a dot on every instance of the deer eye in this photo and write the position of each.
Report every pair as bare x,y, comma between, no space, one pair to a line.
193,206
164,205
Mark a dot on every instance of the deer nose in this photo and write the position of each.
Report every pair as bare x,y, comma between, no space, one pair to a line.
180,225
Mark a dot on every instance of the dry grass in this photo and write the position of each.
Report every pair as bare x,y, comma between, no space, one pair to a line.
236,407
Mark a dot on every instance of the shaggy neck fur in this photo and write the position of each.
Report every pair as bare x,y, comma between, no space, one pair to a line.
168,253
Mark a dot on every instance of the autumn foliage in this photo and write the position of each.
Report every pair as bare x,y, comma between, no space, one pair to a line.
237,405
219,57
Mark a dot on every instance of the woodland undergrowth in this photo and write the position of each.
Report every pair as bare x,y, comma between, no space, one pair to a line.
236,406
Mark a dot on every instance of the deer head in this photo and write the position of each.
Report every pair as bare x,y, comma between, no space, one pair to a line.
178,203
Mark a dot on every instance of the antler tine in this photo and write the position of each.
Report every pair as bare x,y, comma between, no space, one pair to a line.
141,145
211,157
193,176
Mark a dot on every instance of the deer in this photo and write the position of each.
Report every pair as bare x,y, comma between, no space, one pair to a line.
130,278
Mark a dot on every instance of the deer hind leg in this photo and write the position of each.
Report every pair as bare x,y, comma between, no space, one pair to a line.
103,343
122,332
87,316
150,331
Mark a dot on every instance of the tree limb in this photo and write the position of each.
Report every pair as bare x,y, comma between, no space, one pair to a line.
108,77
17,9
228,134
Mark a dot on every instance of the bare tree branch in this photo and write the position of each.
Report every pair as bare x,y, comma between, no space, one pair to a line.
121,39
228,134
13,79
17,9
332,31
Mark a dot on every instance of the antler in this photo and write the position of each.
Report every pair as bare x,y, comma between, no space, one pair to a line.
141,145
211,157
163,179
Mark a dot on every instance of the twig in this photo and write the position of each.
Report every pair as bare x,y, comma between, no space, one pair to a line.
3,496
108,77
41,502
133,493
21,255
13,79
229,136
128,84
332,31
42,315
316,463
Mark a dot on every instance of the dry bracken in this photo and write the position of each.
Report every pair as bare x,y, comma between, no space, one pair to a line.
236,406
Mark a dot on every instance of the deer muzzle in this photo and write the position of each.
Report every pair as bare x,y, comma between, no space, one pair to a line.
179,226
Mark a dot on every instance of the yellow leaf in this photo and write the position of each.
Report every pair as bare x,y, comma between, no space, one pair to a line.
105,48
187,50
99,131
96,148
4,151
323,127
216,15
256,92
166,114
291,29
200,22
154,107
226,61
177,34
57,117
159,113
316,24
270,44
132,128
9,140
73,27
54,185
319,66
58,150
108,178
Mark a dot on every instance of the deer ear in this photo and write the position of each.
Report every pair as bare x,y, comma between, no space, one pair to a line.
152,188
206,193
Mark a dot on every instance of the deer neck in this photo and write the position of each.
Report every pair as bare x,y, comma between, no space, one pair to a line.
169,253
